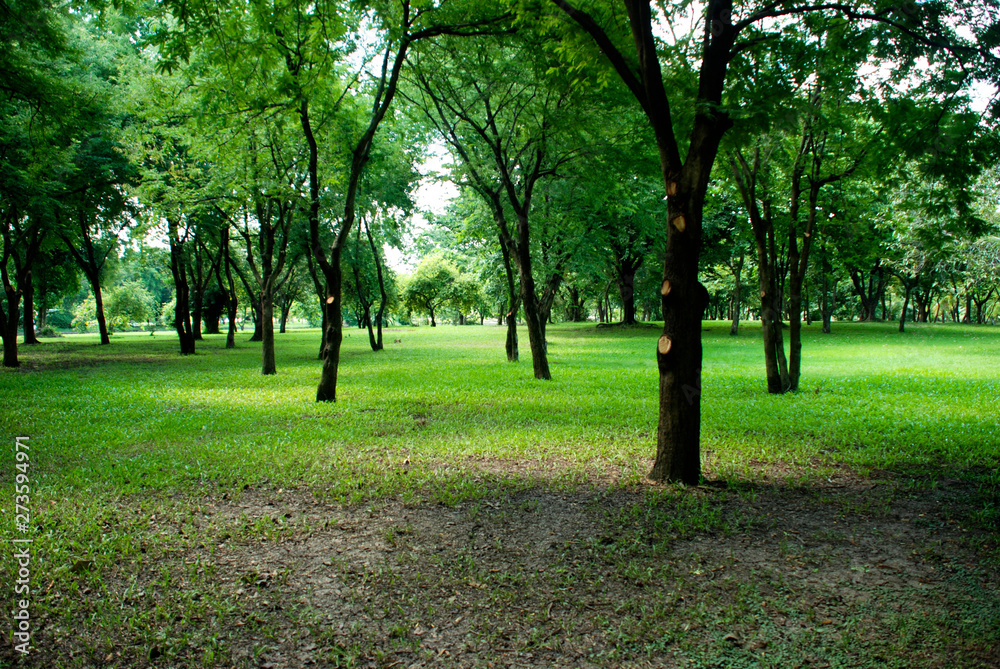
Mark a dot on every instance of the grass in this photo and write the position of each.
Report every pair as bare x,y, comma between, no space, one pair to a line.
157,480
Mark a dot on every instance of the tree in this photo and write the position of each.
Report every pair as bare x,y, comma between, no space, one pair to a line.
699,67
502,120
431,286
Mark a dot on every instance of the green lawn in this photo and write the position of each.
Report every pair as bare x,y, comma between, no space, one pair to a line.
129,442
135,415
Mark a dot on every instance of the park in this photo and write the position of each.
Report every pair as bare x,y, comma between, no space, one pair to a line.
449,510
535,333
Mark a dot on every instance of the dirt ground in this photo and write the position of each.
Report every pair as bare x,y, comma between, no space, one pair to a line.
874,571
846,573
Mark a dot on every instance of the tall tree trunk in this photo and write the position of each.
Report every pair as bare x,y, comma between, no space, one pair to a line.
231,299
798,259
545,303
8,326
626,288
321,293
365,315
513,303
102,323
737,268
775,365
536,335
902,314
384,298
679,349
182,312
22,256
267,362
29,310
333,331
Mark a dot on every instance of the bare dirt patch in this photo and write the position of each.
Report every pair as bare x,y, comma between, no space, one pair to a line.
546,578
851,572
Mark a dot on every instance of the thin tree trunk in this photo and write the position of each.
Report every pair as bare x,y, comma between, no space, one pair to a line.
902,314
513,303
536,336
182,313
775,366
267,365
102,323
365,316
333,330
231,299
734,329
384,298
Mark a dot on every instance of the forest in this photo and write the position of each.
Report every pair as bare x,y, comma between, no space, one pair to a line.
352,200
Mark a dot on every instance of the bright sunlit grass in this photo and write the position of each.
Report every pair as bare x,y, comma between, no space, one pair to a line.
136,415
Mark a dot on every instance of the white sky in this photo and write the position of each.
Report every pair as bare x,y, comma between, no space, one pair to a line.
432,196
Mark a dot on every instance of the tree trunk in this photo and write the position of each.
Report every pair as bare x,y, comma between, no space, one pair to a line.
576,305
258,332
829,304
267,364
902,314
231,300
8,323
679,349
102,323
775,365
333,331
196,313
513,303
29,310
286,308
626,289
734,329
182,313
384,298
365,315
536,335
798,260
545,304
